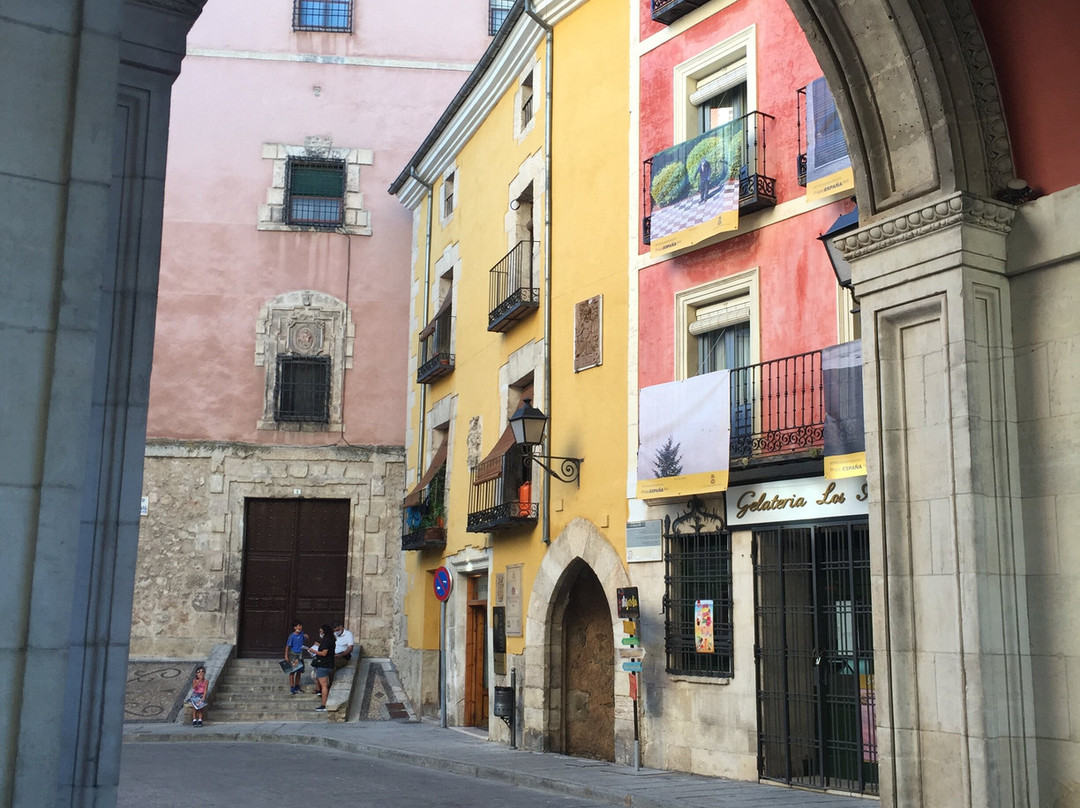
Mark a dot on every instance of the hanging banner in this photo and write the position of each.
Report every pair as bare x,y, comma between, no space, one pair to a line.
703,626
828,166
695,189
845,430
684,430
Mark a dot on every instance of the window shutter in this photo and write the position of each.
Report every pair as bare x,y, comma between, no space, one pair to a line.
326,179
720,315
716,83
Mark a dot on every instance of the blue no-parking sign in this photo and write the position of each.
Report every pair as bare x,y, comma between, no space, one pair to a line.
442,583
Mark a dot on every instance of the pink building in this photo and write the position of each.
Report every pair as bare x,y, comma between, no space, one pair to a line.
273,474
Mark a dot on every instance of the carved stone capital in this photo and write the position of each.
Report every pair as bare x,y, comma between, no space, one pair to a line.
959,209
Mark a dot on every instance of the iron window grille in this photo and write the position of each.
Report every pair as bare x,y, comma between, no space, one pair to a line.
322,15
302,390
315,192
697,567
497,11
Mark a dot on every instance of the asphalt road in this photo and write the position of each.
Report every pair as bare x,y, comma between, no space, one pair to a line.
237,775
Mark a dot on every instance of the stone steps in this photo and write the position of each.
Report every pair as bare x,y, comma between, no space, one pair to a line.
257,690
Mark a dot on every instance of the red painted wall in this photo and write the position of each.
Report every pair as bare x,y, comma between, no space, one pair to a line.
1037,61
797,287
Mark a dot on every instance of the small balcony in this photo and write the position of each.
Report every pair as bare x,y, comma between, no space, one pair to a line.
425,514
672,179
667,11
777,409
511,294
500,497
435,357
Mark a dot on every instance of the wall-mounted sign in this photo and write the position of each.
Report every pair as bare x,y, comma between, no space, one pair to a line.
627,600
801,500
498,638
643,541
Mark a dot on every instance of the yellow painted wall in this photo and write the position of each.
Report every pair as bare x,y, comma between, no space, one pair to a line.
590,199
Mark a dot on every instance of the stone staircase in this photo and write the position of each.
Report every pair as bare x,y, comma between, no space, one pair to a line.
257,690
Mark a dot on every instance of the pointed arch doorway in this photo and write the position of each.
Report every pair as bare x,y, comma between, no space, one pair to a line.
583,651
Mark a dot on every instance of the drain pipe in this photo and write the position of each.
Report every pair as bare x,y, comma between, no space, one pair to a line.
548,70
422,419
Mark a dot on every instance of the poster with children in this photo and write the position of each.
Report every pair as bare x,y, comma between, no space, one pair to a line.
703,626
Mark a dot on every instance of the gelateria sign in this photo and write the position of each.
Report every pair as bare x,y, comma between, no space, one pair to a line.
804,500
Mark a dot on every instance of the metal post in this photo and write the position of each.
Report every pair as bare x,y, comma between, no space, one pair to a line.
513,708
442,665
637,740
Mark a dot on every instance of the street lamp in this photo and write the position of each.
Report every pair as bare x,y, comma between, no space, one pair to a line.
845,224
528,424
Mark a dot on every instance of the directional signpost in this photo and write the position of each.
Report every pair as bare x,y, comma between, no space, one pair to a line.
629,607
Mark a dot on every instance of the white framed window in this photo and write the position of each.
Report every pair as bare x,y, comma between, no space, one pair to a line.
447,197
716,86
525,100
716,325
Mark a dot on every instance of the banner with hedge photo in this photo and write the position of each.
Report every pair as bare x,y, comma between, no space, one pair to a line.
695,189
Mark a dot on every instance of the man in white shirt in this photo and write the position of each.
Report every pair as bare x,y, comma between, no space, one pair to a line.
343,646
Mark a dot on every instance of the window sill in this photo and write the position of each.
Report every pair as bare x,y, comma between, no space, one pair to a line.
297,426
700,680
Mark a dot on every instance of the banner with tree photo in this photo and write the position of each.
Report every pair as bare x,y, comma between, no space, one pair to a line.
695,188
684,429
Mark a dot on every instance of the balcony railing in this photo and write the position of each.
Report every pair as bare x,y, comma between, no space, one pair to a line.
511,294
757,190
436,357
667,11
499,502
425,523
777,408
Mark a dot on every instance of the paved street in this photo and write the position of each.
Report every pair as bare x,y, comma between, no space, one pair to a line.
236,775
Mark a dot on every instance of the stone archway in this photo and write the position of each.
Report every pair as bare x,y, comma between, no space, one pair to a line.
917,96
580,544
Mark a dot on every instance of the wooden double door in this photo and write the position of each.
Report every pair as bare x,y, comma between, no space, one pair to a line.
296,558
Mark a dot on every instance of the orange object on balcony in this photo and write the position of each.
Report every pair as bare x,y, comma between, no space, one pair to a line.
525,499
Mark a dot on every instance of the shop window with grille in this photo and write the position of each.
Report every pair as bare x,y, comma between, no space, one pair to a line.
302,393
316,190
697,577
322,15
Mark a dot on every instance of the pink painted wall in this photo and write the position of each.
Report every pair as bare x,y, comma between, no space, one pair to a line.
797,287
218,269
1037,61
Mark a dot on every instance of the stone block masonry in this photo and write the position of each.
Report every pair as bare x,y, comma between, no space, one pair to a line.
191,540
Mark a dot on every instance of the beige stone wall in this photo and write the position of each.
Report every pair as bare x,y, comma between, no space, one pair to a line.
187,584
1046,330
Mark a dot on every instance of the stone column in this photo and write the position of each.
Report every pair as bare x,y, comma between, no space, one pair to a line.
81,179
954,703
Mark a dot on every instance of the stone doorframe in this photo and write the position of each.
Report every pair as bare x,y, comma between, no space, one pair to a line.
580,542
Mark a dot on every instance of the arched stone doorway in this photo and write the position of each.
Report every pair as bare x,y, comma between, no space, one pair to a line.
582,649
581,571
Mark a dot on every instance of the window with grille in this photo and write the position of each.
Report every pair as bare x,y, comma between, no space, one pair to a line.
697,567
322,15
316,190
302,392
497,11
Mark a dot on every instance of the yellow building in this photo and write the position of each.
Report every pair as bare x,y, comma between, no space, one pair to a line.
520,200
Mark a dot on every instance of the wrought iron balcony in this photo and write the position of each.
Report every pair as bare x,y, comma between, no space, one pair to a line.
748,164
511,294
497,499
777,408
425,521
436,357
667,11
